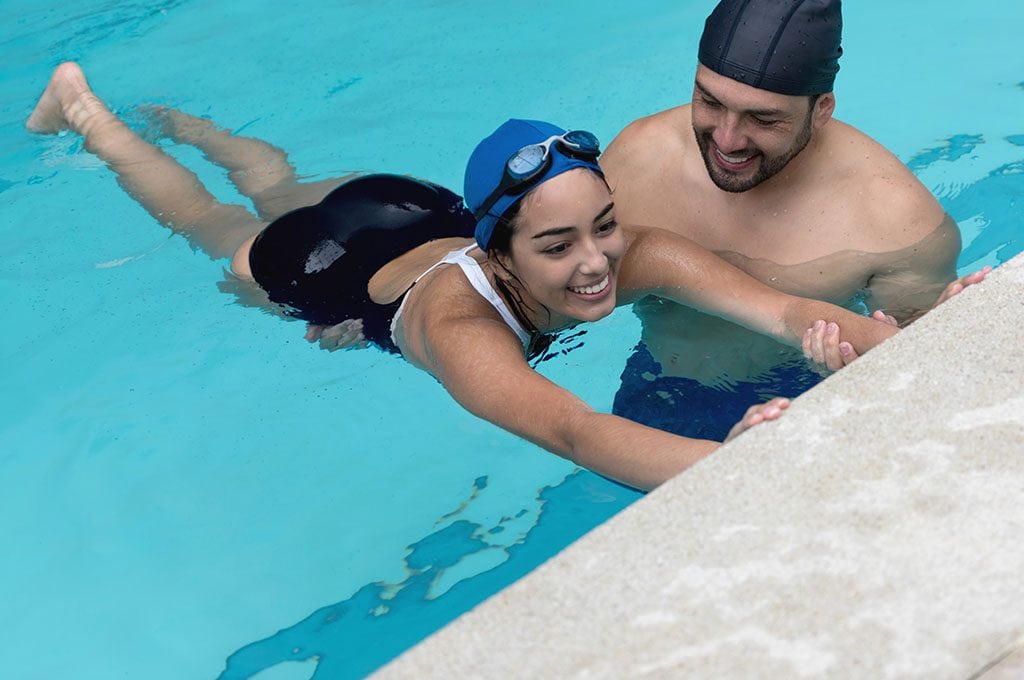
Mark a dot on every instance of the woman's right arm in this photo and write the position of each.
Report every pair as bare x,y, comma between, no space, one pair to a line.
480,362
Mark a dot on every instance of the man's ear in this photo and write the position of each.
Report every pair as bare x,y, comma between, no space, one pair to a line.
823,109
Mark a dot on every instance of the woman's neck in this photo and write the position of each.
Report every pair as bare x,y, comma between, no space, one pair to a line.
533,316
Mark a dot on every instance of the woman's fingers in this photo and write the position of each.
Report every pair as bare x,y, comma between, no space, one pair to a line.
759,413
822,346
313,332
348,333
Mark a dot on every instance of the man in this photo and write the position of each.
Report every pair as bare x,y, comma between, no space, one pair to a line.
756,169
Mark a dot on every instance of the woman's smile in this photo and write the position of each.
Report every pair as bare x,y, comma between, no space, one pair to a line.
596,291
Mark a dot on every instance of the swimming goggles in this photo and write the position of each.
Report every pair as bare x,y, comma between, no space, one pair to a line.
527,165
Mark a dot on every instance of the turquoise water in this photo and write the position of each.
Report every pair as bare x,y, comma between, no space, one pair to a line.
187,489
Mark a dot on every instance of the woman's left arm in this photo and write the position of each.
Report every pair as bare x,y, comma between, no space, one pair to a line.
665,264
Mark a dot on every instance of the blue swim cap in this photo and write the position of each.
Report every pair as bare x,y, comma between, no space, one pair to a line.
486,167
790,47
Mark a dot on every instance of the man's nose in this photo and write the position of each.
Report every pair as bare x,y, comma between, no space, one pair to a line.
729,135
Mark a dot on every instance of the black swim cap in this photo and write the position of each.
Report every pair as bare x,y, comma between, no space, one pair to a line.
785,46
316,261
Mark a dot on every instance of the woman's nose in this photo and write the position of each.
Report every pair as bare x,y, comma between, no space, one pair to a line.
594,258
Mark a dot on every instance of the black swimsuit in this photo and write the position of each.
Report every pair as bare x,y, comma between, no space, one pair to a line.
316,261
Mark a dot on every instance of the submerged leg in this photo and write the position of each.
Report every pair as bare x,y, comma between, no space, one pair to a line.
259,169
171,193
253,165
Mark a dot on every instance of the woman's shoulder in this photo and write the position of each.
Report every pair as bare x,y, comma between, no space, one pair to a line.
442,305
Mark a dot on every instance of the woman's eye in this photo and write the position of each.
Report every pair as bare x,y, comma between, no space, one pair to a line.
607,227
557,249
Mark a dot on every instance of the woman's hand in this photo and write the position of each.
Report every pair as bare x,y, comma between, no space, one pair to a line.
758,413
346,335
824,349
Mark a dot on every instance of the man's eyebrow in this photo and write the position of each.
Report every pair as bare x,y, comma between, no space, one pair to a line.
703,90
766,113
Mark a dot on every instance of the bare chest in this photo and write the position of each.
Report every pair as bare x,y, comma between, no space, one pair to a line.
812,248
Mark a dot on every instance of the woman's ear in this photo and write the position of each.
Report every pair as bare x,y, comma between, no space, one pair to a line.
504,269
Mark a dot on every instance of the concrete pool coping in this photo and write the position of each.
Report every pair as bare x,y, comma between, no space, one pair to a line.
877,530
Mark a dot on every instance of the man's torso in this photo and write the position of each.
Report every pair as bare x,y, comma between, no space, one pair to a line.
813,231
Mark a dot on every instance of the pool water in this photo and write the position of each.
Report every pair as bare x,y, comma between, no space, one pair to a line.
187,489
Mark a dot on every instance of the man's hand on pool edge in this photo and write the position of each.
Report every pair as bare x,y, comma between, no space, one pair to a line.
957,287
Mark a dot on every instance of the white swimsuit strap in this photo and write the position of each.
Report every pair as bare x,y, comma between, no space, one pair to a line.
478,279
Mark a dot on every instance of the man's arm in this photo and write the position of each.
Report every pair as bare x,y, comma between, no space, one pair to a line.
675,268
910,281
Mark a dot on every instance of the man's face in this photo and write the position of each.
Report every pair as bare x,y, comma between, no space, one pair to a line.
747,135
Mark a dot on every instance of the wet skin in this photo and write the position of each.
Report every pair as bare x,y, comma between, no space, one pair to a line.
843,217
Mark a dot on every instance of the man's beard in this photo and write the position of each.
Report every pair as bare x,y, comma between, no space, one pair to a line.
768,167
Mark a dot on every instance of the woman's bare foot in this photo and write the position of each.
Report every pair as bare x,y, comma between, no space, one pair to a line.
67,103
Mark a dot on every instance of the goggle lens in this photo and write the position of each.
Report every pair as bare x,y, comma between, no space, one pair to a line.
527,161
582,141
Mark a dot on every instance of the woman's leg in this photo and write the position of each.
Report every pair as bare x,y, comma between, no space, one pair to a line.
259,169
171,193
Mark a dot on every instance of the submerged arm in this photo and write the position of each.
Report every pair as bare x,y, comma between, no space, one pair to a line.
673,267
913,280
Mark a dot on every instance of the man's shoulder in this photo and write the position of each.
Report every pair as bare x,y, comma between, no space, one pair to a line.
648,137
888,193
862,156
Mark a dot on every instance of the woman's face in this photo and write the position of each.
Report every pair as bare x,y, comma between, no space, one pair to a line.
567,248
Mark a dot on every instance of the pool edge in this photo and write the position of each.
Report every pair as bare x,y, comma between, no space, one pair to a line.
870,532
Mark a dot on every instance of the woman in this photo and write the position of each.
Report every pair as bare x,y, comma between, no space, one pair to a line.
315,262
548,254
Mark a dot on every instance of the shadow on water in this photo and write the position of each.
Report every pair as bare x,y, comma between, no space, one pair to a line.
350,639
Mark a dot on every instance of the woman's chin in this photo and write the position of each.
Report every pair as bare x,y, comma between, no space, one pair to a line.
589,313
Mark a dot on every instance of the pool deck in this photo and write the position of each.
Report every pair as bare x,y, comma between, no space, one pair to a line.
876,531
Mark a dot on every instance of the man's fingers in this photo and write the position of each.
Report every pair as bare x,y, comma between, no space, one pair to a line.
879,315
